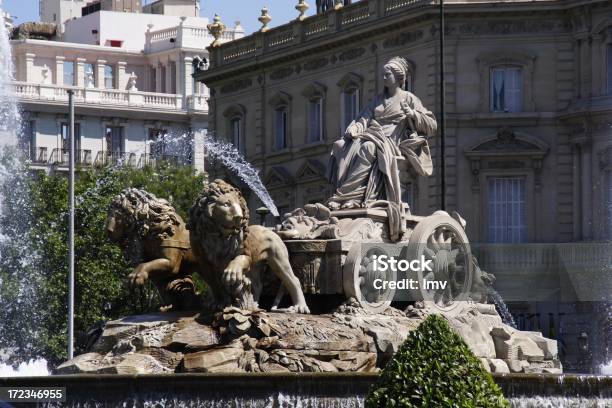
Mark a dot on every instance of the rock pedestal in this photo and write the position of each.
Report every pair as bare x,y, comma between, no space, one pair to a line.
349,340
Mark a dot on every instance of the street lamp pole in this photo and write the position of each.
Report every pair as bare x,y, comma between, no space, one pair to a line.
442,115
71,226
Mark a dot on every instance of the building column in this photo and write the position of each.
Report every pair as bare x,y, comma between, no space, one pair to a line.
158,78
80,72
168,79
187,78
587,191
59,70
576,193
122,78
29,67
178,78
100,64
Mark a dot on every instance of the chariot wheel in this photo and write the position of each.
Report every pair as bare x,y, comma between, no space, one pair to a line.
359,274
442,240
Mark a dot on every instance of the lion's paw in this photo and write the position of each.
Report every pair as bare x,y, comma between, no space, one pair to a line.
138,277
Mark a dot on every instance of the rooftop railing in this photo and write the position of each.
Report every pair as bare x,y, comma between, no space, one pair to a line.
184,36
299,32
96,96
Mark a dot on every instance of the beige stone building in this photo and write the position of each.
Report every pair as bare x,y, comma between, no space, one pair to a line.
528,122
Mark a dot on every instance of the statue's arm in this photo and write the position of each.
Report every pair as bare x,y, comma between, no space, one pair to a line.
362,120
422,118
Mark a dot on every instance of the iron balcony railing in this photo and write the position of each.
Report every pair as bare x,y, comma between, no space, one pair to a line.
61,157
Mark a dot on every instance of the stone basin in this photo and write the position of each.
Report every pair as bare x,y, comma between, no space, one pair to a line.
311,389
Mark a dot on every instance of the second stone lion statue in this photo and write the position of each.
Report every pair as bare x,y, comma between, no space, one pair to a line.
232,254
155,241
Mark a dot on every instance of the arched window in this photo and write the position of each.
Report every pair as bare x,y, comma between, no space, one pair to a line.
315,94
315,119
236,132
281,121
350,86
235,124
281,115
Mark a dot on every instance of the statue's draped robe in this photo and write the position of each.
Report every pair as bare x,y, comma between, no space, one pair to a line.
365,169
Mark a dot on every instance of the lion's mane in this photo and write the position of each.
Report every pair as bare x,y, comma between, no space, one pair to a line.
144,217
206,239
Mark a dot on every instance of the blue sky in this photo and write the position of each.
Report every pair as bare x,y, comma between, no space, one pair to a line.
246,11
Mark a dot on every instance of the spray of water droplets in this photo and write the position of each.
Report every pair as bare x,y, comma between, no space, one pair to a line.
231,158
17,271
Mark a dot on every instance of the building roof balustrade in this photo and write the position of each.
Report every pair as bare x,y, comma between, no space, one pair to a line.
48,93
299,32
184,36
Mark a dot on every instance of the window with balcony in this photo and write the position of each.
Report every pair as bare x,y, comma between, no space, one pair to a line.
69,73
65,133
109,77
506,89
280,128
90,75
114,140
315,119
157,143
507,209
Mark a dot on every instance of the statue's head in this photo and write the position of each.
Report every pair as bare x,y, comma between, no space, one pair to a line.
138,213
220,208
395,72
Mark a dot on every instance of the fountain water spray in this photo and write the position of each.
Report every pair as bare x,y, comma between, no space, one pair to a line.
14,234
231,158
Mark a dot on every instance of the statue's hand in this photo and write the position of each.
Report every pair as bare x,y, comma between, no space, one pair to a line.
410,113
352,131
138,276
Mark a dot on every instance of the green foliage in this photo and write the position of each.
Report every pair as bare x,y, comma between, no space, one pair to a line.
34,264
435,368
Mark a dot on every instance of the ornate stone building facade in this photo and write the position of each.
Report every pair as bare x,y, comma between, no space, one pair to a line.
528,102
528,116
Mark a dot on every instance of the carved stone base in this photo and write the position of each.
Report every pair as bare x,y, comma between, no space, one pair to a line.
351,339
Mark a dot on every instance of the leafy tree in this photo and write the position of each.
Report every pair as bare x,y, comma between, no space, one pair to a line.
34,264
435,368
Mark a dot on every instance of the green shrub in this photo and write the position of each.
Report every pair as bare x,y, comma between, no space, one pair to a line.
34,264
435,368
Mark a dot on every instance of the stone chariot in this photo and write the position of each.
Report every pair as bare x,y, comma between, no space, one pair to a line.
349,240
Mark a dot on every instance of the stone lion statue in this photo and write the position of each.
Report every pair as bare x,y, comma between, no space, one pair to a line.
155,241
233,255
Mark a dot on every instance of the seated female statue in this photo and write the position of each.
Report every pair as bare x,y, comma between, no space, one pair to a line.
393,127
